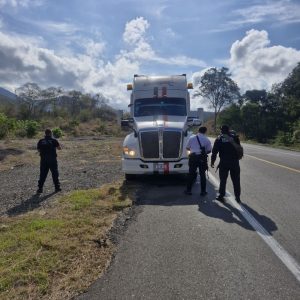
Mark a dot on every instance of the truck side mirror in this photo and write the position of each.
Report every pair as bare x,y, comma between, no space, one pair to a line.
124,123
128,123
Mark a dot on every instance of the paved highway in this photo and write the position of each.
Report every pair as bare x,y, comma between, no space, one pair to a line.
187,247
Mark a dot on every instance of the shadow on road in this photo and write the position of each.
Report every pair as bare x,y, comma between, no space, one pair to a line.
168,191
29,204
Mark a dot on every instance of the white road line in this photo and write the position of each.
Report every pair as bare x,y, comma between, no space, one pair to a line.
281,253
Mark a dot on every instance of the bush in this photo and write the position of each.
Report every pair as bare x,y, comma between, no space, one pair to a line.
57,132
3,126
296,136
31,128
26,128
7,125
284,138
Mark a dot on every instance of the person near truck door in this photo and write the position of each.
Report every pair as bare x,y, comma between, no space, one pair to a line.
199,146
47,149
229,162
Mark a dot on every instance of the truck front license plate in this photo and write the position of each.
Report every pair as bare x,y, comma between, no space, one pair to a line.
161,167
158,167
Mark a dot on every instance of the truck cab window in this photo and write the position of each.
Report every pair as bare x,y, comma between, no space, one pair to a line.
160,106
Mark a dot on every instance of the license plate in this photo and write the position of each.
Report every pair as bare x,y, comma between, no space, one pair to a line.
158,167
161,167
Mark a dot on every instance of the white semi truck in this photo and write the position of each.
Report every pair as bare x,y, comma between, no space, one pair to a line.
159,109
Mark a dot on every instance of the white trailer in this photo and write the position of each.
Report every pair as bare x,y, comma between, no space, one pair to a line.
159,110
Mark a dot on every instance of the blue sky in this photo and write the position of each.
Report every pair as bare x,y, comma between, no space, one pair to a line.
97,46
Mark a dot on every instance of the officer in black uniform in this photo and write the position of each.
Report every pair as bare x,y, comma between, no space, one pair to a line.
47,149
229,162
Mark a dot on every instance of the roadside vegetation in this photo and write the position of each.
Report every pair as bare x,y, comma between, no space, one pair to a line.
70,113
57,252
259,116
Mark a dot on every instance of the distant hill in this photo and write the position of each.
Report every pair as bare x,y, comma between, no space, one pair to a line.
7,94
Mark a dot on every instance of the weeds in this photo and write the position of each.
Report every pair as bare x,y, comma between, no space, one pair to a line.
52,253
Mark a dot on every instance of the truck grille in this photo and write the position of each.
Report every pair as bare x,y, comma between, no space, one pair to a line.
150,144
164,144
171,144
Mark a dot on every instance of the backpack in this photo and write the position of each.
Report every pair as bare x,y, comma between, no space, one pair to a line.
238,148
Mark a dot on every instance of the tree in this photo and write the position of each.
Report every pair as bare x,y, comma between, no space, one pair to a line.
75,97
231,116
218,88
29,94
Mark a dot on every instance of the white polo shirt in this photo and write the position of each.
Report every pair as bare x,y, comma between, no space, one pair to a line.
193,144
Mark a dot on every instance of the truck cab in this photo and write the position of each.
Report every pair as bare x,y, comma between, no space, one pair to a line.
159,109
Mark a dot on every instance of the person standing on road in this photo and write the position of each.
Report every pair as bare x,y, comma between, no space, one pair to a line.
199,146
229,162
47,149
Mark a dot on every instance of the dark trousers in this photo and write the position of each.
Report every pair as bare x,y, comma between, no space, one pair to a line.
234,169
45,166
194,164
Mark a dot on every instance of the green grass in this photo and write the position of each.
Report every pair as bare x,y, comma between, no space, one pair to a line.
49,251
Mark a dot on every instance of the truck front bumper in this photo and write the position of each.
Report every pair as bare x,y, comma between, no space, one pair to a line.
137,166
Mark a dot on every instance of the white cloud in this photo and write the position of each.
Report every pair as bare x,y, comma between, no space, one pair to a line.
140,49
56,27
135,31
284,11
24,59
257,65
278,12
20,3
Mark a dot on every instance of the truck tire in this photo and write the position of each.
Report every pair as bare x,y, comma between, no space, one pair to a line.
130,176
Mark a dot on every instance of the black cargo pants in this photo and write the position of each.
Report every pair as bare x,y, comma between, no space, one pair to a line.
194,164
234,168
45,166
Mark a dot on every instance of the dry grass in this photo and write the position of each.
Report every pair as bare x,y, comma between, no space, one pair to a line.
58,252
23,152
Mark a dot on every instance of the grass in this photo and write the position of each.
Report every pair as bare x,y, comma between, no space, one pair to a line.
23,152
57,252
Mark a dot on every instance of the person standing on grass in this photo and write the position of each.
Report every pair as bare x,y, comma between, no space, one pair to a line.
199,146
226,145
47,149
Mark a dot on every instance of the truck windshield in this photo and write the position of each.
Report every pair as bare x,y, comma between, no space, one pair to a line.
160,106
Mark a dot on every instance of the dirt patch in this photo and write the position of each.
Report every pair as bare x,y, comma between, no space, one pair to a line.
9,151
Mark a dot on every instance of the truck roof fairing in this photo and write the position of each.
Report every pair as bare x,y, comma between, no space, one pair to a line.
175,82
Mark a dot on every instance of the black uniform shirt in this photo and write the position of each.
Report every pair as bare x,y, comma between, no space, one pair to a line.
224,147
47,147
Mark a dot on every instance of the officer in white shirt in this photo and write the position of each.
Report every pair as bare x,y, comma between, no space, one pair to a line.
199,146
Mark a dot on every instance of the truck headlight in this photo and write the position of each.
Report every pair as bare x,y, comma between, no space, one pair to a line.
188,152
128,151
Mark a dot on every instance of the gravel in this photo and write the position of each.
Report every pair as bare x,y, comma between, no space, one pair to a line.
79,169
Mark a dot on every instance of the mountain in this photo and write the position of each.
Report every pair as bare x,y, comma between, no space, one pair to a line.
7,95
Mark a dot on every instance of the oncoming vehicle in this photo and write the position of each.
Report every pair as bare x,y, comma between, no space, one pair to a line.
159,108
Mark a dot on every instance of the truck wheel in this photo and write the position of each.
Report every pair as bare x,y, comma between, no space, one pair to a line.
129,176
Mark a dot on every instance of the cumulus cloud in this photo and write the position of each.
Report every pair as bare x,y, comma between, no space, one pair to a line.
255,64
140,49
135,31
25,58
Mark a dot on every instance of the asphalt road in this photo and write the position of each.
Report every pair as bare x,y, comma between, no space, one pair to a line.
187,247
